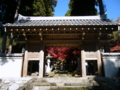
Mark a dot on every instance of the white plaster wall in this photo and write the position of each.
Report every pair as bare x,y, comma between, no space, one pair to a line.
111,65
10,66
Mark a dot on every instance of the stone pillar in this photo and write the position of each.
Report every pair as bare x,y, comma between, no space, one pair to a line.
25,66
4,41
10,43
83,61
41,62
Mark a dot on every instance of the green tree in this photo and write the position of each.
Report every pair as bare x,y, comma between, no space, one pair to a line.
49,7
37,7
82,8
118,19
7,8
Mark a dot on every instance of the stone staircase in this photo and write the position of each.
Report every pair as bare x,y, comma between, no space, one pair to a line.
55,83
61,82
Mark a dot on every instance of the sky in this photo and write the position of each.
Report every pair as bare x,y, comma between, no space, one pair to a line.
112,8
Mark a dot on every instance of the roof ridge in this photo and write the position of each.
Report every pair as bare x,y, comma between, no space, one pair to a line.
21,17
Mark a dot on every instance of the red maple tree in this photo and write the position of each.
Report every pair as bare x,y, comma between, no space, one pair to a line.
114,44
63,53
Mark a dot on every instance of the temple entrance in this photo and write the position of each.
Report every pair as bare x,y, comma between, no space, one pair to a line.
91,67
33,68
63,60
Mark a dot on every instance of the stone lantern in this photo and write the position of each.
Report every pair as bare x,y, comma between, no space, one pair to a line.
48,69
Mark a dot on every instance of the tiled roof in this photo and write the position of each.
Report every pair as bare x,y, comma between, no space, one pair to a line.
61,21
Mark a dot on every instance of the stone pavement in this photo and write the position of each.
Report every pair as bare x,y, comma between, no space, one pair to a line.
16,83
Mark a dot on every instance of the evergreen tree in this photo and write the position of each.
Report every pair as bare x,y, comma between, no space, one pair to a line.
37,7
82,8
8,8
49,7
7,13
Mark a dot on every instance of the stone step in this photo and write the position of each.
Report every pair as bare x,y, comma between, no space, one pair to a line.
81,84
65,84
68,82
63,88
44,84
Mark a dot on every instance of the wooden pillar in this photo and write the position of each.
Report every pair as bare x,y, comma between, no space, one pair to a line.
10,43
83,61
31,66
41,62
107,47
4,41
99,63
25,66
23,48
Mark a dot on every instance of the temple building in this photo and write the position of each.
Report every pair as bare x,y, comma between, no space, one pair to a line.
89,34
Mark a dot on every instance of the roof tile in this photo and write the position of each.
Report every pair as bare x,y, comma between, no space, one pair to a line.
61,22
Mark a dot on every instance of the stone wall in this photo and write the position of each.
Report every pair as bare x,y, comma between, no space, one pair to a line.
11,65
111,63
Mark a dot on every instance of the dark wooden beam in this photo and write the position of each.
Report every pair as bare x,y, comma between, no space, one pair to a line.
64,29
4,42
80,33
62,41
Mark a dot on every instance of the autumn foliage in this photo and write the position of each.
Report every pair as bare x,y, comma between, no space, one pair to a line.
64,53
115,45
115,42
